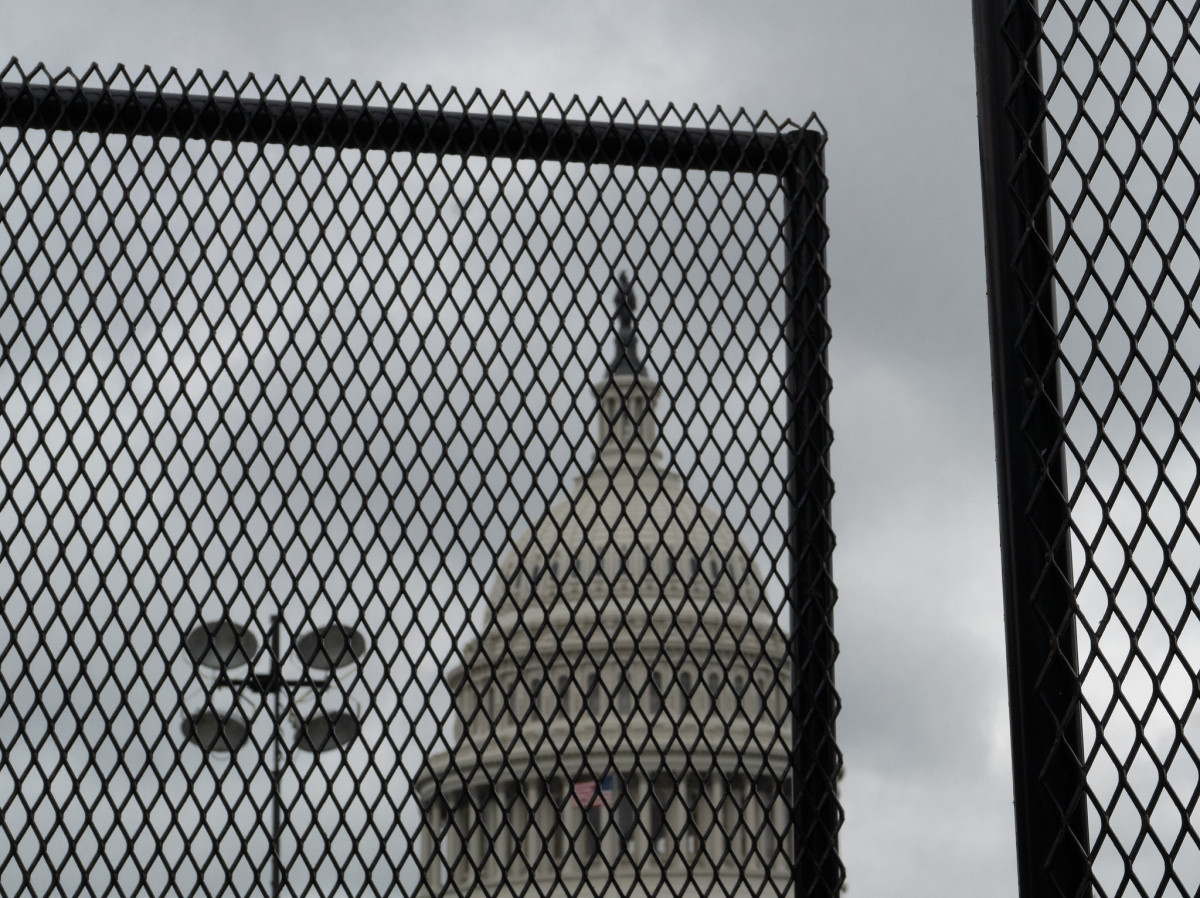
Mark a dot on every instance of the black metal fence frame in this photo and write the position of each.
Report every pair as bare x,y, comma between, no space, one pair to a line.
795,157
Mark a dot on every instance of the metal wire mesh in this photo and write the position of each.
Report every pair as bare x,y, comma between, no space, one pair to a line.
409,495
1106,188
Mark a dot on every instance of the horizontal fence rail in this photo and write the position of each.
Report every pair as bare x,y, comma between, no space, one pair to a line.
300,123
410,495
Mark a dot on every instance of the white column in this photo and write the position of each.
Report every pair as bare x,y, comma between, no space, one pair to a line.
476,839
539,838
499,838
695,801
641,804
780,817
768,834
715,841
516,825
735,814
677,820
428,841
731,817
441,823
455,853
703,824
610,845
592,836
573,823
757,844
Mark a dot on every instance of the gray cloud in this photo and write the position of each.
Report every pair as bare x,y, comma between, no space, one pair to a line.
921,672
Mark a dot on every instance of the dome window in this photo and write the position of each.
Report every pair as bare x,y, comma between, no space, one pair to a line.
593,832
508,700
558,838
624,698
626,562
595,695
564,694
535,694
660,567
714,569
654,696
690,842
688,681
533,570
734,568
757,700
714,685
625,812
664,792
766,696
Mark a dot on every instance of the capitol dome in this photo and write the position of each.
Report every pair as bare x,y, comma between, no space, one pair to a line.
621,714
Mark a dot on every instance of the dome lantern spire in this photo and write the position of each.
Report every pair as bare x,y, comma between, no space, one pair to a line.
625,428
628,359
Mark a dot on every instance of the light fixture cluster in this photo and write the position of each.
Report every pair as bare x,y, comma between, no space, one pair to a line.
224,648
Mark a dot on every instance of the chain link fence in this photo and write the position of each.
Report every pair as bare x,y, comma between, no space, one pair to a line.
1090,173
405,494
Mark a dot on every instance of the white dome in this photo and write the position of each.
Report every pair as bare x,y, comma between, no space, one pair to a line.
622,537
628,644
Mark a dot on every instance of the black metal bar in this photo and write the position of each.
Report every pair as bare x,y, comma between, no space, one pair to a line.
815,758
277,765
306,124
1044,686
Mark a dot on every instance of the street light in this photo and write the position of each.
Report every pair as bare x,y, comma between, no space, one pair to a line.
221,726
222,645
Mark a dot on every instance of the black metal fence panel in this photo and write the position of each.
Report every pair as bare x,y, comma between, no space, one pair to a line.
410,495
1088,113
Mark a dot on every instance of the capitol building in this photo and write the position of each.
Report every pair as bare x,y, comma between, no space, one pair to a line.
621,721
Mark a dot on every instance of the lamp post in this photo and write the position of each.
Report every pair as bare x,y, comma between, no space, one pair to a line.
225,646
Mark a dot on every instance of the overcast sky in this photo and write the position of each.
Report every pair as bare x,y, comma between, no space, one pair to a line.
927,790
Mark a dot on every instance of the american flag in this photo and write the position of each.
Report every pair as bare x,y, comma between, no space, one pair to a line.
588,793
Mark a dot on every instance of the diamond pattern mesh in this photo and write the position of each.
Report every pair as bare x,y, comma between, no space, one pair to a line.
1118,190
410,495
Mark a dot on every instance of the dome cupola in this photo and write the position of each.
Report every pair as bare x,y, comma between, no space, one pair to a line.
626,429
628,534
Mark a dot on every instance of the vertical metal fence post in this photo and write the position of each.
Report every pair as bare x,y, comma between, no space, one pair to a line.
816,761
277,759
1044,687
